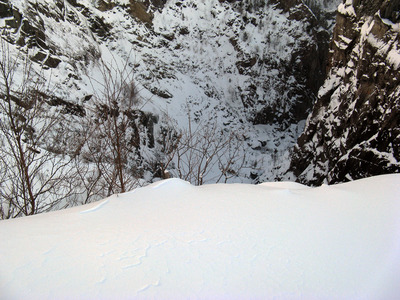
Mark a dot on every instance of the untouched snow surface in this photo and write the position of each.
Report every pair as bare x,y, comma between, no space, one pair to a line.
172,240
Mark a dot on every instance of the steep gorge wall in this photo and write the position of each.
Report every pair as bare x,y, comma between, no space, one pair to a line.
354,129
295,44
235,63
307,65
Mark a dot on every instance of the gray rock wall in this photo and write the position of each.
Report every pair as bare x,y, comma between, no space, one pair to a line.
354,129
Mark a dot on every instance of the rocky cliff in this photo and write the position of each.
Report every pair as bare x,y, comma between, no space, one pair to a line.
354,128
249,67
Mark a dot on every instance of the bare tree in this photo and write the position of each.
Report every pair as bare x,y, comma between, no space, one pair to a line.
32,179
113,136
202,153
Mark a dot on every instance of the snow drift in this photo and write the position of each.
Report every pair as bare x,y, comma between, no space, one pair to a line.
174,240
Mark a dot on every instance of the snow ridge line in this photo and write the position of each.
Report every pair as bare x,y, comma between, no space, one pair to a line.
97,207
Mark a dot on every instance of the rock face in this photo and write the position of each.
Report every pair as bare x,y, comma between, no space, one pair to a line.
232,64
303,73
354,128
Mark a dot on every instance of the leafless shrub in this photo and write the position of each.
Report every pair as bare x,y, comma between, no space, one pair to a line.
32,179
112,136
202,153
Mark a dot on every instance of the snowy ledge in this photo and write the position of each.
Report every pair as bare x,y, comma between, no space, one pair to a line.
172,240
395,26
347,9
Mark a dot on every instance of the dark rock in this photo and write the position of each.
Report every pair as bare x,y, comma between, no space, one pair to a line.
391,10
68,107
45,59
184,31
139,10
141,122
244,65
87,98
170,36
354,129
159,4
161,93
229,1
73,3
302,76
5,9
14,22
99,27
104,5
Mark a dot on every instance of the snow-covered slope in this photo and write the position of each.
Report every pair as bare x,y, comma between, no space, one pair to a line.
172,240
354,129
231,64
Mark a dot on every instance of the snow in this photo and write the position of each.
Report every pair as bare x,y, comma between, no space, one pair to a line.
346,40
394,26
331,83
347,9
394,58
341,45
199,68
390,50
366,28
172,240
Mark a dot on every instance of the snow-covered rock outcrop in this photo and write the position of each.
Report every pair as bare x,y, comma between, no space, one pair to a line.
354,129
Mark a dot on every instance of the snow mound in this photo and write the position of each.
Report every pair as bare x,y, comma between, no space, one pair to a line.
284,185
172,240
